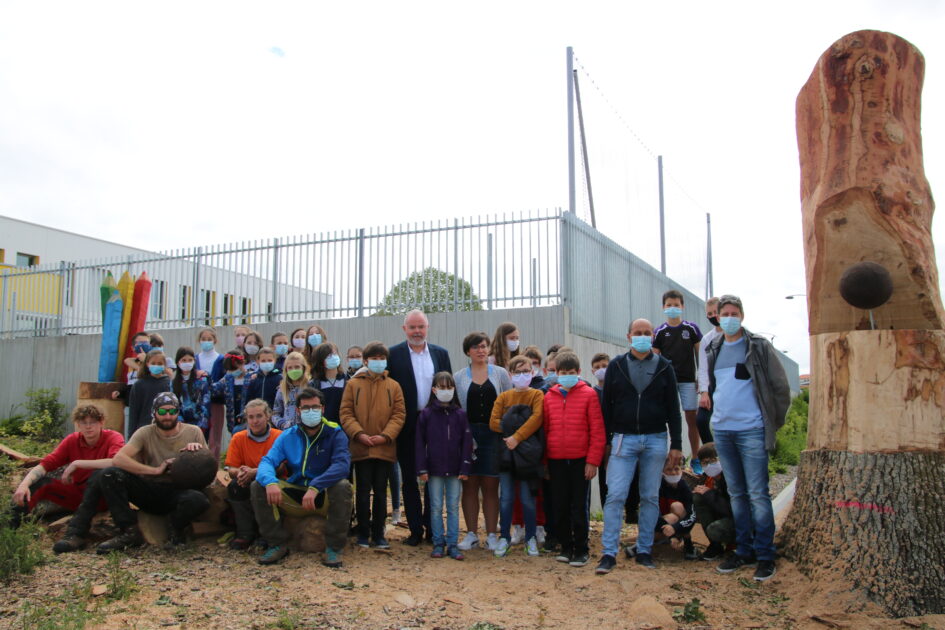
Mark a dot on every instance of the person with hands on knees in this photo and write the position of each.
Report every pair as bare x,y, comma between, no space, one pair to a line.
245,451
678,517
713,506
316,456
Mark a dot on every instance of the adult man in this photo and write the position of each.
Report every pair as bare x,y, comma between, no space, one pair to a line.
640,401
316,457
140,475
751,396
412,364
704,413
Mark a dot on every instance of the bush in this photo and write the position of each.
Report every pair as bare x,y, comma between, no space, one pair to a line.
792,437
20,549
44,414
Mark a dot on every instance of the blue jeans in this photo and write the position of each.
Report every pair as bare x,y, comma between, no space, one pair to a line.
451,488
650,451
507,500
745,465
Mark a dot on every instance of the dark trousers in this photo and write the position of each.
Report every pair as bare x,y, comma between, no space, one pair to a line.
632,504
336,509
570,491
371,476
239,499
703,421
417,511
719,527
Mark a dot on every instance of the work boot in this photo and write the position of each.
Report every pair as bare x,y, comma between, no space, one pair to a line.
128,537
70,542
176,539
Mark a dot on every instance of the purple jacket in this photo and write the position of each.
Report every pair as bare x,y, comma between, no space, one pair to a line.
444,442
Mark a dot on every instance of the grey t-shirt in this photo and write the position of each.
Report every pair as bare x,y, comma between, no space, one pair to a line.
641,371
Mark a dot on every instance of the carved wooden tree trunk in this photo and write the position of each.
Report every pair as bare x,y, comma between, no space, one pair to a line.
870,500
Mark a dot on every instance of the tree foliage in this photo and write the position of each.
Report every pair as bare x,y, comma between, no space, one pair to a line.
432,291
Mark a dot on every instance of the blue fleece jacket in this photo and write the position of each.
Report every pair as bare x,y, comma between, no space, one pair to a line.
318,462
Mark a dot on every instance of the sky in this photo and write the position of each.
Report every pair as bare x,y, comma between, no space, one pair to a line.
168,125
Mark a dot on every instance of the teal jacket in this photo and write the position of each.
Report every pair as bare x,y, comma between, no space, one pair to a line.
318,462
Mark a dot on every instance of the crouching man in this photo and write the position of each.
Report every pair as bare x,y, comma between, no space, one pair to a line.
140,476
316,456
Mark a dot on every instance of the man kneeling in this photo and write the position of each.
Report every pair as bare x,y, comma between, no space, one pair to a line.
140,476
315,453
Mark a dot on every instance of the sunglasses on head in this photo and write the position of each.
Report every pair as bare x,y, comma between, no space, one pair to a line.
167,412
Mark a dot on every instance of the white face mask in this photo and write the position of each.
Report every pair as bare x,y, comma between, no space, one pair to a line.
251,348
599,373
444,395
512,344
186,366
714,469
674,479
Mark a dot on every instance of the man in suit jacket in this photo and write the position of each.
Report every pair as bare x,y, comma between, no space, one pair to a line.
412,364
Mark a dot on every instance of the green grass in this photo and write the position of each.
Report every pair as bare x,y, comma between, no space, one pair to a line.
67,612
20,549
121,582
792,437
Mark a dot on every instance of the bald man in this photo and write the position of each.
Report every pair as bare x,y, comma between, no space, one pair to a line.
641,414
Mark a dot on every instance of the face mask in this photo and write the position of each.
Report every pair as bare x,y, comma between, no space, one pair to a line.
355,364
251,348
713,320
377,365
311,417
444,395
267,366
186,366
567,381
239,340
295,373
551,379
142,347
156,370
672,312
206,346
641,344
713,470
235,373
730,325
521,381
298,343
282,349
333,361
512,344
672,478
600,373
314,340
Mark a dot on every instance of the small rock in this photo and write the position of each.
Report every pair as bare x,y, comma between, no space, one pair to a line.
99,589
405,600
646,610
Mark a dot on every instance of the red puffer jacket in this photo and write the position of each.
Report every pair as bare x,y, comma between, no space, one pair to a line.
574,426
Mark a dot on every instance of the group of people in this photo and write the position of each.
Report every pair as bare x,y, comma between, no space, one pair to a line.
516,435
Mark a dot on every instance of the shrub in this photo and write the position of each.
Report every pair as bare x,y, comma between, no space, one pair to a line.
20,549
44,414
792,437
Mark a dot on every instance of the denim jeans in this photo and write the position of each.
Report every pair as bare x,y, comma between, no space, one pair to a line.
451,488
506,501
626,451
745,464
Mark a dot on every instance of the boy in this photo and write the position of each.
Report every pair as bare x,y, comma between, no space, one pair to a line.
265,383
678,341
551,376
574,431
712,505
280,343
677,518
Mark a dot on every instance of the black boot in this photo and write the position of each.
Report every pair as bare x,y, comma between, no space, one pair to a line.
70,542
128,537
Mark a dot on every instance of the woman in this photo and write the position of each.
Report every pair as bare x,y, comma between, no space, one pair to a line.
505,344
477,387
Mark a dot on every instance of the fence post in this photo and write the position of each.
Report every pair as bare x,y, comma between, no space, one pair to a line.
195,296
361,272
534,282
62,295
5,280
489,271
564,260
455,265
275,280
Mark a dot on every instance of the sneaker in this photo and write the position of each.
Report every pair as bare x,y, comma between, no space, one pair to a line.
492,542
69,542
697,467
564,556
531,547
240,544
518,534
395,516
380,543
274,554
765,570
413,540
332,558
363,542
734,562
471,541
455,553
713,552
540,535
689,552
646,560
501,548
129,537
630,551
437,551
579,560
606,565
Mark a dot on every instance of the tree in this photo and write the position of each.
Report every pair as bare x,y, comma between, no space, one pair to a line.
432,291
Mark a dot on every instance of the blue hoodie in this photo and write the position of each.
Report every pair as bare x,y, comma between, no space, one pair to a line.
318,462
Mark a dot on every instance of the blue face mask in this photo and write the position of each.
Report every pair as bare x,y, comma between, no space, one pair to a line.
355,364
282,349
333,361
267,366
641,344
311,417
377,365
672,312
730,325
314,340
235,373
142,347
551,378
156,370
568,381
206,346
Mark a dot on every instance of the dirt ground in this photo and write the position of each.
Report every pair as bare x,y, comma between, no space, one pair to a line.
209,586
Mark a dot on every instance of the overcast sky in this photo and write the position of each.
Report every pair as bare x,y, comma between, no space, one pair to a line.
175,124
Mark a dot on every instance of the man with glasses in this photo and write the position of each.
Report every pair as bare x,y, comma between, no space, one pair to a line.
140,475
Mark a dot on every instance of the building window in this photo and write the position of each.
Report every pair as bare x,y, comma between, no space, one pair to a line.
229,302
26,260
246,309
207,308
158,297
184,303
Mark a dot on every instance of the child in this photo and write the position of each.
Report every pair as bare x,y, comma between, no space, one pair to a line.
239,334
328,377
353,358
295,377
551,377
234,387
444,459
141,343
677,518
209,364
157,343
280,343
536,357
517,416
599,363
505,344
252,344
713,506
574,431
265,383
372,414
316,336
298,340
192,391
152,380
679,341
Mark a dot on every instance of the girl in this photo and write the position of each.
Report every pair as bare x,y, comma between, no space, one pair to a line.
152,380
315,337
141,343
279,343
239,334
251,346
328,377
444,460
192,391
504,345
157,343
294,378
298,340
265,383
234,387
354,359
209,364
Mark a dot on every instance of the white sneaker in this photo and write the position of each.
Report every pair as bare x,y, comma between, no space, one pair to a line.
531,547
518,534
492,542
471,541
395,516
540,534
502,548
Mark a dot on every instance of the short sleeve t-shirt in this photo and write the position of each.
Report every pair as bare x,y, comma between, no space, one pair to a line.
246,452
678,344
73,447
153,447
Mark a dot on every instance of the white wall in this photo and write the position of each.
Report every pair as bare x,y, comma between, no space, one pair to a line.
52,245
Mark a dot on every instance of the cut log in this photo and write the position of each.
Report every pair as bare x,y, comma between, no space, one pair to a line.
306,533
22,459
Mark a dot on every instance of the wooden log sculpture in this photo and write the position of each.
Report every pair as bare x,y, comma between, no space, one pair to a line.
871,484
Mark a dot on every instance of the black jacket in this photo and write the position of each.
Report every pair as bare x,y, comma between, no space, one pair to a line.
639,413
717,498
525,461
400,369
682,494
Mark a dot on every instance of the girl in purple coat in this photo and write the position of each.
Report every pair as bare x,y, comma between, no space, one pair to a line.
444,459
